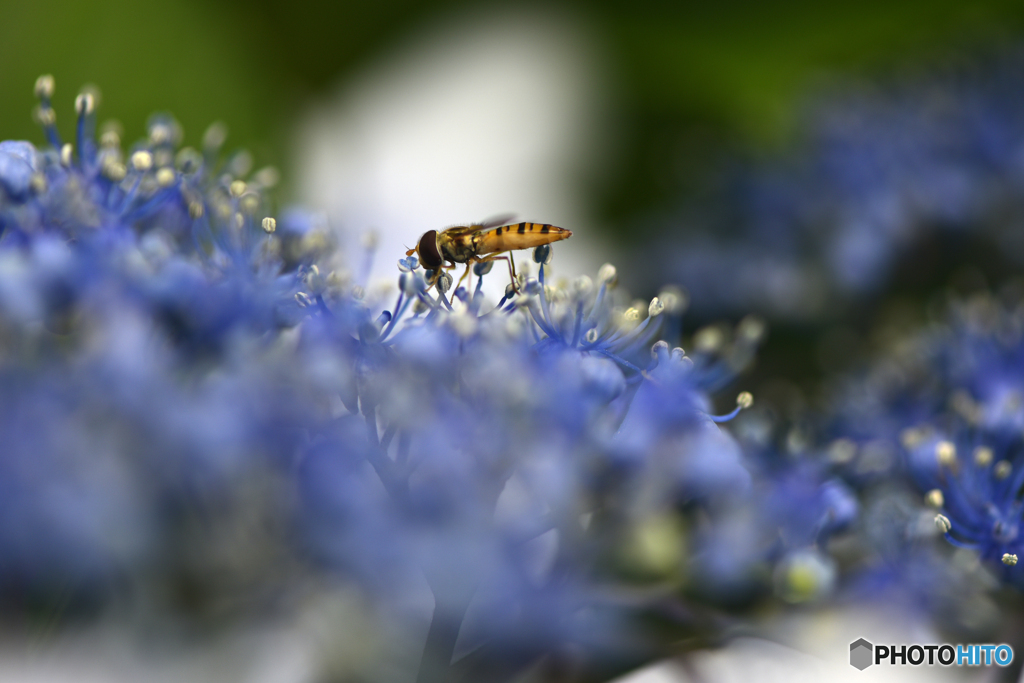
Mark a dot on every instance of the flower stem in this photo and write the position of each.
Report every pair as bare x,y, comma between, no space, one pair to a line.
435,667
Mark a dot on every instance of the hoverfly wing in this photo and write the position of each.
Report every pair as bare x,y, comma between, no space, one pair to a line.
496,220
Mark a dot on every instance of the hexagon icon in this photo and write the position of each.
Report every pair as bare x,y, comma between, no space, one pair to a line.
861,654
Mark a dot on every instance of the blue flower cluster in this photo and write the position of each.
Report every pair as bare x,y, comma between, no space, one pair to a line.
952,398
202,403
880,172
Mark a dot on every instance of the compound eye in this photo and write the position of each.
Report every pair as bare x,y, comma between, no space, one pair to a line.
430,257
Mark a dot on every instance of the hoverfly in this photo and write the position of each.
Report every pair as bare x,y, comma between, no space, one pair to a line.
480,243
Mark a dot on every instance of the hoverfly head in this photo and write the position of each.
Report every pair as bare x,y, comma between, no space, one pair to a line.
430,255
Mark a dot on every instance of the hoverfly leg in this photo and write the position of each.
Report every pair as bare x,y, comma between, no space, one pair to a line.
468,266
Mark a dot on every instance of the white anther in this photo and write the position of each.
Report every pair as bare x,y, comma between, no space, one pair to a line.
267,177
935,499
165,177
751,328
195,210
444,282
237,188
911,438
65,154
656,307
269,225
674,298
591,335
110,138
1009,559
983,456
631,315
44,86
607,274
945,452
160,134
215,136
249,202
188,160
241,164
842,451
943,523
1002,469
85,104
163,156
745,399
142,161
114,169
659,348
582,285
708,339
46,116
38,183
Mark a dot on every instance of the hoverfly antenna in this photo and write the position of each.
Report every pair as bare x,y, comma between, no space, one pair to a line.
430,257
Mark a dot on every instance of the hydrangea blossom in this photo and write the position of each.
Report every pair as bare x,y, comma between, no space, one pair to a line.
879,170
205,402
946,411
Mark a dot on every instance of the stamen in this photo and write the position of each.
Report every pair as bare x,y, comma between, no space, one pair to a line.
943,523
142,161
842,451
85,104
65,155
983,456
945,452
911,438
656,307
249,202
607,275
114,169
165,177
934,498
675,299
44,87
1002,469
444,282
269,225
214,137
267,177
743,401
110,138
1009,559
751,329
708,339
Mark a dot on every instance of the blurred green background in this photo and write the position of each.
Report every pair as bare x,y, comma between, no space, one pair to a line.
691,79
